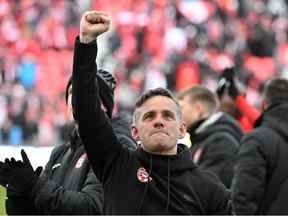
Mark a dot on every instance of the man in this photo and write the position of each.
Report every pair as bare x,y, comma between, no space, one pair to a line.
159,177
68,185
214,135
260,183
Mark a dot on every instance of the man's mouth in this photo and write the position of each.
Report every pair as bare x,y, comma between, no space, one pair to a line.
159,132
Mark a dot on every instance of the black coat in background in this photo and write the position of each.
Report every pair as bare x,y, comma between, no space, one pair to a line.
260,184
215,143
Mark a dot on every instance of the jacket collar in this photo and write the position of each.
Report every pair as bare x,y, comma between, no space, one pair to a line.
180,162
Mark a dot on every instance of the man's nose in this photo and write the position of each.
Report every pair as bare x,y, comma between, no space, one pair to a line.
159,122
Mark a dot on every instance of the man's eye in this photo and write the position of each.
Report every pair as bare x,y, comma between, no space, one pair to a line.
148,116
169,116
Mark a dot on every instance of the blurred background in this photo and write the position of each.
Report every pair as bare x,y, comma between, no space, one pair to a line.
168,43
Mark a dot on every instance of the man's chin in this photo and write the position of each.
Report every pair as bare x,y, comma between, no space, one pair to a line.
161,147
160,141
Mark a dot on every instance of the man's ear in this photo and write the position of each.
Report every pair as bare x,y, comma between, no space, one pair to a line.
199,107
201,110
182,130
135,133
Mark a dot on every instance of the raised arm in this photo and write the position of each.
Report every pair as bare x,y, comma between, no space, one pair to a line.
95,130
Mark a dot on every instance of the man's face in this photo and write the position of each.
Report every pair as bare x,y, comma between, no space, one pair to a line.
158,127
191,111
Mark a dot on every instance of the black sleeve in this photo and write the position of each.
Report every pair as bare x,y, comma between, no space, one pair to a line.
51,198
101,144
220,201
220,156
214,197
249,181
19,204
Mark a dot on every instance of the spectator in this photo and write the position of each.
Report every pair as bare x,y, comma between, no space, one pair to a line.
233,100
214,135
260,182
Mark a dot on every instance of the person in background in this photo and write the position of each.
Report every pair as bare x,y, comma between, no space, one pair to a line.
214,135
233,101
260,184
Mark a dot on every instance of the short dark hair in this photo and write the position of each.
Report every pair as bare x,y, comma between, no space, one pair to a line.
153,93
275,91
202,94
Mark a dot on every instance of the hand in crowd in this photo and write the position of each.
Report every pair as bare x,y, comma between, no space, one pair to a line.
233,89
92,24
18,175
3,170
229,82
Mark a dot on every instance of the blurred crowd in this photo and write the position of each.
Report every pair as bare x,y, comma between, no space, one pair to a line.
167,43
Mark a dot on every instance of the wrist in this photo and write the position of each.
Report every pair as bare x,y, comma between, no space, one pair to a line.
86,39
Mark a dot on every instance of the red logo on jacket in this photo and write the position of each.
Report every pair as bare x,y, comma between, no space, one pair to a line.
197,155
81,161
143,175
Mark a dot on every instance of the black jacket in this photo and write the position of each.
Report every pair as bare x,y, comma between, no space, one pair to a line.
260,184
67,186
136,182
215,143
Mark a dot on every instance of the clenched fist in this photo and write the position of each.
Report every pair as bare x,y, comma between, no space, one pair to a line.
92,24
